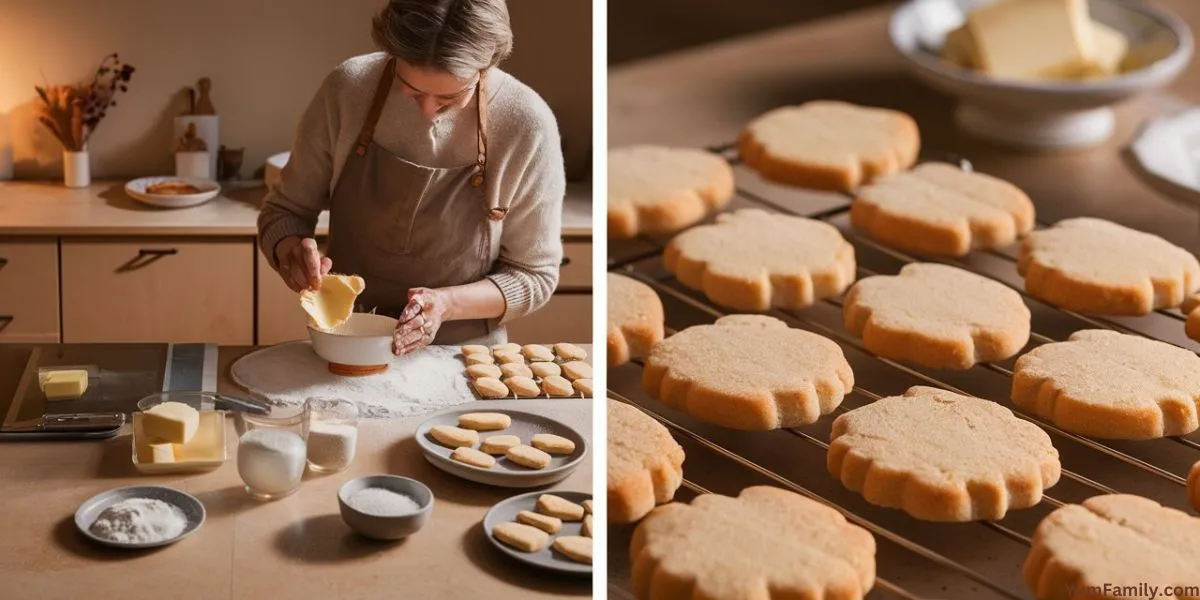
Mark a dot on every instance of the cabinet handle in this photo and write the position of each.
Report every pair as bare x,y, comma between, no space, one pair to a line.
565,261
144,257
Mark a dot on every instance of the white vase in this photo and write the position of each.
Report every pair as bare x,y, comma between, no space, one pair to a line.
77,169
193,164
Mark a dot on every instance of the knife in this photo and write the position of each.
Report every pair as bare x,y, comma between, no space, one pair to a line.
241,404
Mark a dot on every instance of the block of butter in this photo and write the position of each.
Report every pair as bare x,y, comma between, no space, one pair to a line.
156,451
173,422
66,384
1032,39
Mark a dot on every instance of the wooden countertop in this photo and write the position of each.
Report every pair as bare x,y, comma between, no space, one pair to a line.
46,208
704,96
294,547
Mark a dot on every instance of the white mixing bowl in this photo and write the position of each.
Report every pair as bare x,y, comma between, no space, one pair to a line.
1043,114
364,340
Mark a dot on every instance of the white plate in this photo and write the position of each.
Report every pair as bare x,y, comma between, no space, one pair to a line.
1167,151
137,190
546,558
90,510
505,473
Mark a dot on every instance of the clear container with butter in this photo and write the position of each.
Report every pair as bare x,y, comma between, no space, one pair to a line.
67,382
204,450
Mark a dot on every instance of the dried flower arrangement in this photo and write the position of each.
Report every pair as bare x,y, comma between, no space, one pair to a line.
72,112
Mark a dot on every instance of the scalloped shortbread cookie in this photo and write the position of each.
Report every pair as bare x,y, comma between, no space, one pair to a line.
1095,266
829,145
1105,384
766,544
656,190
753,260
1113,541
939,209
749,372
937,316
941,456
645,464
635,319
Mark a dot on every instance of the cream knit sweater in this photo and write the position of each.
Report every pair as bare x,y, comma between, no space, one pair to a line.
525,164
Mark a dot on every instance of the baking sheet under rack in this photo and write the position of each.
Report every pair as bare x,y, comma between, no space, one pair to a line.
915,559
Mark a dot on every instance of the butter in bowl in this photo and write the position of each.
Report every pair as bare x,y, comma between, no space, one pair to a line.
173,436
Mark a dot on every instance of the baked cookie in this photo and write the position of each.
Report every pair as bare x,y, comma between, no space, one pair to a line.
575,547
544,369
477,371
753,260
479,359
635,319
454,437
525,538
484,421
937,316
829,145
583,387
749,372
537,353
499,444
552,444
473,457
567,351
523,387
645,464
1192,326
941,456
1095,266
1193,486
515,370
1112,543
557,506
508,347
939,209
546,523
767,543
586,530
577,369
558,387
528,456
474,349
490,387
655,190
1104,384
505,357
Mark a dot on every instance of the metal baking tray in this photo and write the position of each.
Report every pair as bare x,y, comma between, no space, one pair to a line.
915,559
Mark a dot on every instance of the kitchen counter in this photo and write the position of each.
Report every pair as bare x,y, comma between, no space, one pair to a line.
704,96
43,208
295,547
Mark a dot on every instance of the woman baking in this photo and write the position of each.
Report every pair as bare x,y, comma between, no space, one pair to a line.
443,176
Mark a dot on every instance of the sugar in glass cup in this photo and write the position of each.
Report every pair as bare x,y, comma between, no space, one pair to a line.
272,451
332,433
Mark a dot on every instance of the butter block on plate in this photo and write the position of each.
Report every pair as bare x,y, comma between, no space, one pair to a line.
173,422
1032,39
66,384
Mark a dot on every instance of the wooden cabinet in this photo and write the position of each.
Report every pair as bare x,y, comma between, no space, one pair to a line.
576,271
280,318
29,290
158,290
566,318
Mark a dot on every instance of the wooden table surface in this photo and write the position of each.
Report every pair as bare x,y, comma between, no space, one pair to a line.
296,547
704,96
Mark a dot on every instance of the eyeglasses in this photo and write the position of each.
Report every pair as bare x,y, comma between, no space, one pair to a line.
443,97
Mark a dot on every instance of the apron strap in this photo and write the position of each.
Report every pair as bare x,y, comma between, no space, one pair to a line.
495,213
381,95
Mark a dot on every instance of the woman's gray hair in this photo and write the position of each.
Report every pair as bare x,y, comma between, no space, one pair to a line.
461,37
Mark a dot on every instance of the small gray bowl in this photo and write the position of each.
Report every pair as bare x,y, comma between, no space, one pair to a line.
90,510
380,527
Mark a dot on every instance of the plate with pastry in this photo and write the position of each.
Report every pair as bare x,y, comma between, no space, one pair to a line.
172,192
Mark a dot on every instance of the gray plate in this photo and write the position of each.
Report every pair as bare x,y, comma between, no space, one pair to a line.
546,558
505,473
91,509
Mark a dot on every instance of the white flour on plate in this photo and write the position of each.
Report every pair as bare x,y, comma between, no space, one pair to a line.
423,382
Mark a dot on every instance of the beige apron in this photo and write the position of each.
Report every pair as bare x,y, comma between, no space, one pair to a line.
401,225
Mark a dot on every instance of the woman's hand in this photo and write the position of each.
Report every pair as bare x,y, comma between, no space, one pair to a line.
420,320
300,263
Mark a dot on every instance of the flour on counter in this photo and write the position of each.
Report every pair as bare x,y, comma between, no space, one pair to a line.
423,382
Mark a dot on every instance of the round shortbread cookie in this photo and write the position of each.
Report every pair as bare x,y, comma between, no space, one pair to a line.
477,371
765,543
490,387
1110,542
749,372
1105,384
937,316
523,387
753,260
655,190
645,464
939,209
941,456
829,145
635,319
1095,266
1193,486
